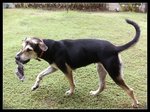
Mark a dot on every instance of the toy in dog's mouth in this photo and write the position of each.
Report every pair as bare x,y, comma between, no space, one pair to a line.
20,70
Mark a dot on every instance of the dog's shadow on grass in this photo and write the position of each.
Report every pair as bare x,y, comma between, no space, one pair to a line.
55,97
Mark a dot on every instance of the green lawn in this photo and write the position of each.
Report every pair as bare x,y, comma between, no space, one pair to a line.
20,23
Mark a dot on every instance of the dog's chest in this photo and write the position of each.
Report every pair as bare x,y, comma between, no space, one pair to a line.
54,65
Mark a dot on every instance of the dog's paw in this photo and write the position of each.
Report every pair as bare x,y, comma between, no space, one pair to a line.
68,93
94,93
135,105
34,87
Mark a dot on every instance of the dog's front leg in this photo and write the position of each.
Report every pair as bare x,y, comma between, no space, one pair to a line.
71,82
45,72
69,76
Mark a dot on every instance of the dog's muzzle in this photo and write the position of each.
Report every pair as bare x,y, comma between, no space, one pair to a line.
17,57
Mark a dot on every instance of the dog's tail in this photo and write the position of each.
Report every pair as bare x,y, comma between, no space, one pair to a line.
135,39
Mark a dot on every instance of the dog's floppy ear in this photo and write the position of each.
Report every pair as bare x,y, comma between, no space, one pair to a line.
42,46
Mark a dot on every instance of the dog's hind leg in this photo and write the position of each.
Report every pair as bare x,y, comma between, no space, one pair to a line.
102,74
114,68
119,81
41,75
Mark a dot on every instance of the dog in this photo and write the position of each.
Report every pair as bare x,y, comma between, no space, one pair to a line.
67,55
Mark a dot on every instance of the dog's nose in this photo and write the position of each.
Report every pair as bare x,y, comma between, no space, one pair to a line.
17,57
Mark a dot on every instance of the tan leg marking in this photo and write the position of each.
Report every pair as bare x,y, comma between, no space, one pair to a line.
71,81
102,75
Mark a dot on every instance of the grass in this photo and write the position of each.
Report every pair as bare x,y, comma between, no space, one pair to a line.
20,23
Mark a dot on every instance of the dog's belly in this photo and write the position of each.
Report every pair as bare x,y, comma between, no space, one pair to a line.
82,61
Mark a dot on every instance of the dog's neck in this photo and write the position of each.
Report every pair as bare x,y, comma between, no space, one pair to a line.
41,54
46,55
42,50
38,58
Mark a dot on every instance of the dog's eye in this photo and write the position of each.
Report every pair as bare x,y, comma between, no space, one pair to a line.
26,42
28,50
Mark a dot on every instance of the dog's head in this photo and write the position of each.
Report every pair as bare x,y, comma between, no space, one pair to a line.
31,47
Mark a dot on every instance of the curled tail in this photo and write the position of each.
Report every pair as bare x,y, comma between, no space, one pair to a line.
135,39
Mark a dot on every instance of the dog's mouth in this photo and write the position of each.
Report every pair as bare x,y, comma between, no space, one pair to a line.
24,62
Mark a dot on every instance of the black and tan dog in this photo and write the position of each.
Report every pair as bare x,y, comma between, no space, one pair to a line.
67,55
